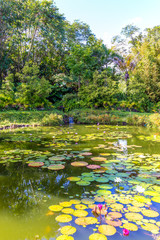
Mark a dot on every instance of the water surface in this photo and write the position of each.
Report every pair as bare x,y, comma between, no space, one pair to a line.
132,154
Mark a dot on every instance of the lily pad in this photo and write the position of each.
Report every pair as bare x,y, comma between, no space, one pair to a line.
86,154
56,167
107,230
114,223
134,216
68,211
130,226
57,158
55,208
80,206
142,199
134,209
79,164
97,236
150,213
150,227
114,215
64,218
102,179
80,213
35,164
65,204
83,183
74,179
93,166
86,221
99,159
75,201
103,192
68,230
87,201
116,206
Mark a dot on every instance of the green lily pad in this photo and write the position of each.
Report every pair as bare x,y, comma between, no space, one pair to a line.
80,206
80,213
83,183
88,201
102,179
99,159
68,211
56,167
65,204
64,218
57,158
86,221
150,227
79,164
150,213
130,226
107,230
68,230
97,236
134,216
74,179
55,208
35,164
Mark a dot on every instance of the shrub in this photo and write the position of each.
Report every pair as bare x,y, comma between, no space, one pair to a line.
70,101
52,120
137,120
154,120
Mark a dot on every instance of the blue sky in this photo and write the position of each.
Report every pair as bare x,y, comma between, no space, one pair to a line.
106,18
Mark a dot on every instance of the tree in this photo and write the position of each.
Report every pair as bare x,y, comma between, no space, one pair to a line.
7,92
33,90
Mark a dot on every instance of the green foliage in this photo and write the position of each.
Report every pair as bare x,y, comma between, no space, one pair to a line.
52,120
89,116
7,94
103,119
70,101
32,90
45,60
137,120
101,92
154,120
9,118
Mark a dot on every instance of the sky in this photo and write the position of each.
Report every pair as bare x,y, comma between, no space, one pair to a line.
106,18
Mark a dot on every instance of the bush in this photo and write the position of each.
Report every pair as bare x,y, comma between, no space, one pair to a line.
33,90
70,101
137,120
52,120
154,120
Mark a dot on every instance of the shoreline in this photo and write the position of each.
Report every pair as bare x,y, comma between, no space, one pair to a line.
19,119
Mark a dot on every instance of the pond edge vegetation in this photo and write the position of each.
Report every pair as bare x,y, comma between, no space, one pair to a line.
16,119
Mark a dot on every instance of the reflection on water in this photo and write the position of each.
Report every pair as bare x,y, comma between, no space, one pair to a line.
27,192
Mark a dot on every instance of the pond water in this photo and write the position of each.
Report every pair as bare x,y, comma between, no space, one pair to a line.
96,180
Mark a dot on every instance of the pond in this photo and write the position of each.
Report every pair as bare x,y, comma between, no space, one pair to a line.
80,182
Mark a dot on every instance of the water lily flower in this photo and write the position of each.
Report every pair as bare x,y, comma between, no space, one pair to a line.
140,189
118,180
100,206
125,232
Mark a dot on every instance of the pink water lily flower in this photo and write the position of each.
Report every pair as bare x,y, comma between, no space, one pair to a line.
100,206
125,232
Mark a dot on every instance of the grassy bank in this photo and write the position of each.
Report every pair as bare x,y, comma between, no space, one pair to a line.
11,118
80,116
